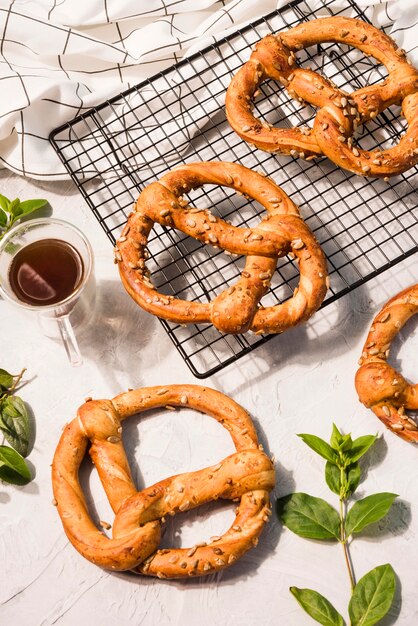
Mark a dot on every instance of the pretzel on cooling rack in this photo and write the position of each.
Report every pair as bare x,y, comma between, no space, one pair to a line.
246,476
379,386
280,232
338,113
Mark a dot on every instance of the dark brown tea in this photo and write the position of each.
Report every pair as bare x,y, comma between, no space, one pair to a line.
45,272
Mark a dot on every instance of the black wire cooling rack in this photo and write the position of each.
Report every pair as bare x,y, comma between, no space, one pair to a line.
114,150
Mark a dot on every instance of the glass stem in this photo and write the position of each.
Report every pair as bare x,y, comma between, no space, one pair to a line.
69,340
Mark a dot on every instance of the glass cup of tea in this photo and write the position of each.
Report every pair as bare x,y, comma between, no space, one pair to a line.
46,267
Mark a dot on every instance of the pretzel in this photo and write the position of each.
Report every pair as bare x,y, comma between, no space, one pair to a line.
246,476
379,386
339,113
280,232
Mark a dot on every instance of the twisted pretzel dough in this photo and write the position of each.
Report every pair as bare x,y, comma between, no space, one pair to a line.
339,113
280,232
379,386
247,476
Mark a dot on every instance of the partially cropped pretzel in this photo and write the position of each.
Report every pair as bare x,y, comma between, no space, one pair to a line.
379,386
339,113
246,476
281,231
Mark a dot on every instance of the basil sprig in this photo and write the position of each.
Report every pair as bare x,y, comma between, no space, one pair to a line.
14,424
11,211
314,518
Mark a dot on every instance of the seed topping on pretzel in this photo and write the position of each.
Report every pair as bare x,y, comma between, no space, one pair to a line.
339,113
379,386
246,476
237,309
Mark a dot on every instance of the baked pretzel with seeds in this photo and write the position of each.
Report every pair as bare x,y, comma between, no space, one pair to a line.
379,386
281,231
246,476
339,113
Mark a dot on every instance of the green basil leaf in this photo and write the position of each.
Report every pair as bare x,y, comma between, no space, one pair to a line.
338,441
29,206
336,438
350,479
320,446
353,473
13,468
360,447
6,379
372,596
4,203
333,477
318,607
14,207
309,517
367,511
14,423
3,218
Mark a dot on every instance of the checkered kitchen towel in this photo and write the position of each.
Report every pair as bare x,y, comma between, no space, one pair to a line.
61,57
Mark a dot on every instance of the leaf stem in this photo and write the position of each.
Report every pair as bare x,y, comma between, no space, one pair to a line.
344,544
17,381
18,378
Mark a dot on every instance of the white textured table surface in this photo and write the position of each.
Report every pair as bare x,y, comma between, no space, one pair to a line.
299,382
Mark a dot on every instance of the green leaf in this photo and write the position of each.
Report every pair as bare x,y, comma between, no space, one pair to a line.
350,479
318,607
367,511
372,596
6,379
353,473
14,207
4,203
360,447
333,477
320,446
14,423
338,441
13,468
309,517
3,218
29,206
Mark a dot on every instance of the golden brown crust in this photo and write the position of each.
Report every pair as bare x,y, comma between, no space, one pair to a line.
280,232
379,386
339,113
247,476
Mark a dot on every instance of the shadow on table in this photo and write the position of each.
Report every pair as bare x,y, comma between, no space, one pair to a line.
117,336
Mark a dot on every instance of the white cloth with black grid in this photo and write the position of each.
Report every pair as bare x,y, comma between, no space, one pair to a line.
58,59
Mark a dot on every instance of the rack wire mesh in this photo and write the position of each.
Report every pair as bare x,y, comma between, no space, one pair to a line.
117,148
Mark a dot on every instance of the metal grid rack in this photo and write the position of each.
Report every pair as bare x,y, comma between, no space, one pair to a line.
117,148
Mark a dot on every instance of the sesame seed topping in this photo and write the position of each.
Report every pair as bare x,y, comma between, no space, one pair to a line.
384,318
245,129
105,525
386,410
356,152
325,126
297,244
113,439
165,212
190,223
